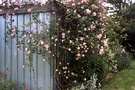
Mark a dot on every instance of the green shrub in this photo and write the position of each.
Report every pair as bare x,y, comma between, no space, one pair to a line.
123,60
7,85
5,82
80,71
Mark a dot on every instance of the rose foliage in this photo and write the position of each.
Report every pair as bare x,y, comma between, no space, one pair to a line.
82,40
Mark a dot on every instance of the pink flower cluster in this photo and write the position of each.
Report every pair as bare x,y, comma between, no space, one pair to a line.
16,8
88,11
13,33
94,6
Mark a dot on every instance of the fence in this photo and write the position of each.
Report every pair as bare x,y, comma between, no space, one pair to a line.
11,57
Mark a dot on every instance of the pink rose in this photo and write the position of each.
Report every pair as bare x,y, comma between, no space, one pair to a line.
23,36
82,7
34,31
63,35
19,5
11,35
88,11
1,10
41,42
74,11
64,67
46,46
76,58
94,14
13,14
78,15
100,2
13,30
69,49
16,8
29,10
28,52
92,26
81,38
101,51
99,36
78,55
8,5
26,49
28,41
42,3
73,4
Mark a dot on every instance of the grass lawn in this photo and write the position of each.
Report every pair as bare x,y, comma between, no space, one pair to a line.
124,80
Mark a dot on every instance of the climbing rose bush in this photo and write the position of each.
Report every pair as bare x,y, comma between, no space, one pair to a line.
78,40
84,27
83,33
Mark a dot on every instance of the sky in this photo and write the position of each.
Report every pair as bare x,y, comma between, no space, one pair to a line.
133,0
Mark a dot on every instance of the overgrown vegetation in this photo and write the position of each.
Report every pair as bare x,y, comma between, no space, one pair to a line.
123,80
84,41
5,82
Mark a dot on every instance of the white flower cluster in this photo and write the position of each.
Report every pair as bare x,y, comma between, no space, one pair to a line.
89,85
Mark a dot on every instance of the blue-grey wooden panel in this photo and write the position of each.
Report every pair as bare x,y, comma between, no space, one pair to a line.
2,45
8,48
11,57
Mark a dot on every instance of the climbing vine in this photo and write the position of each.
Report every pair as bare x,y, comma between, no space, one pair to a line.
79,39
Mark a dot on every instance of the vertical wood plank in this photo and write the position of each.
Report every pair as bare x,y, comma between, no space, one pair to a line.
2,44
1,26
8,48
20,53
27,69
14,53
34,68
